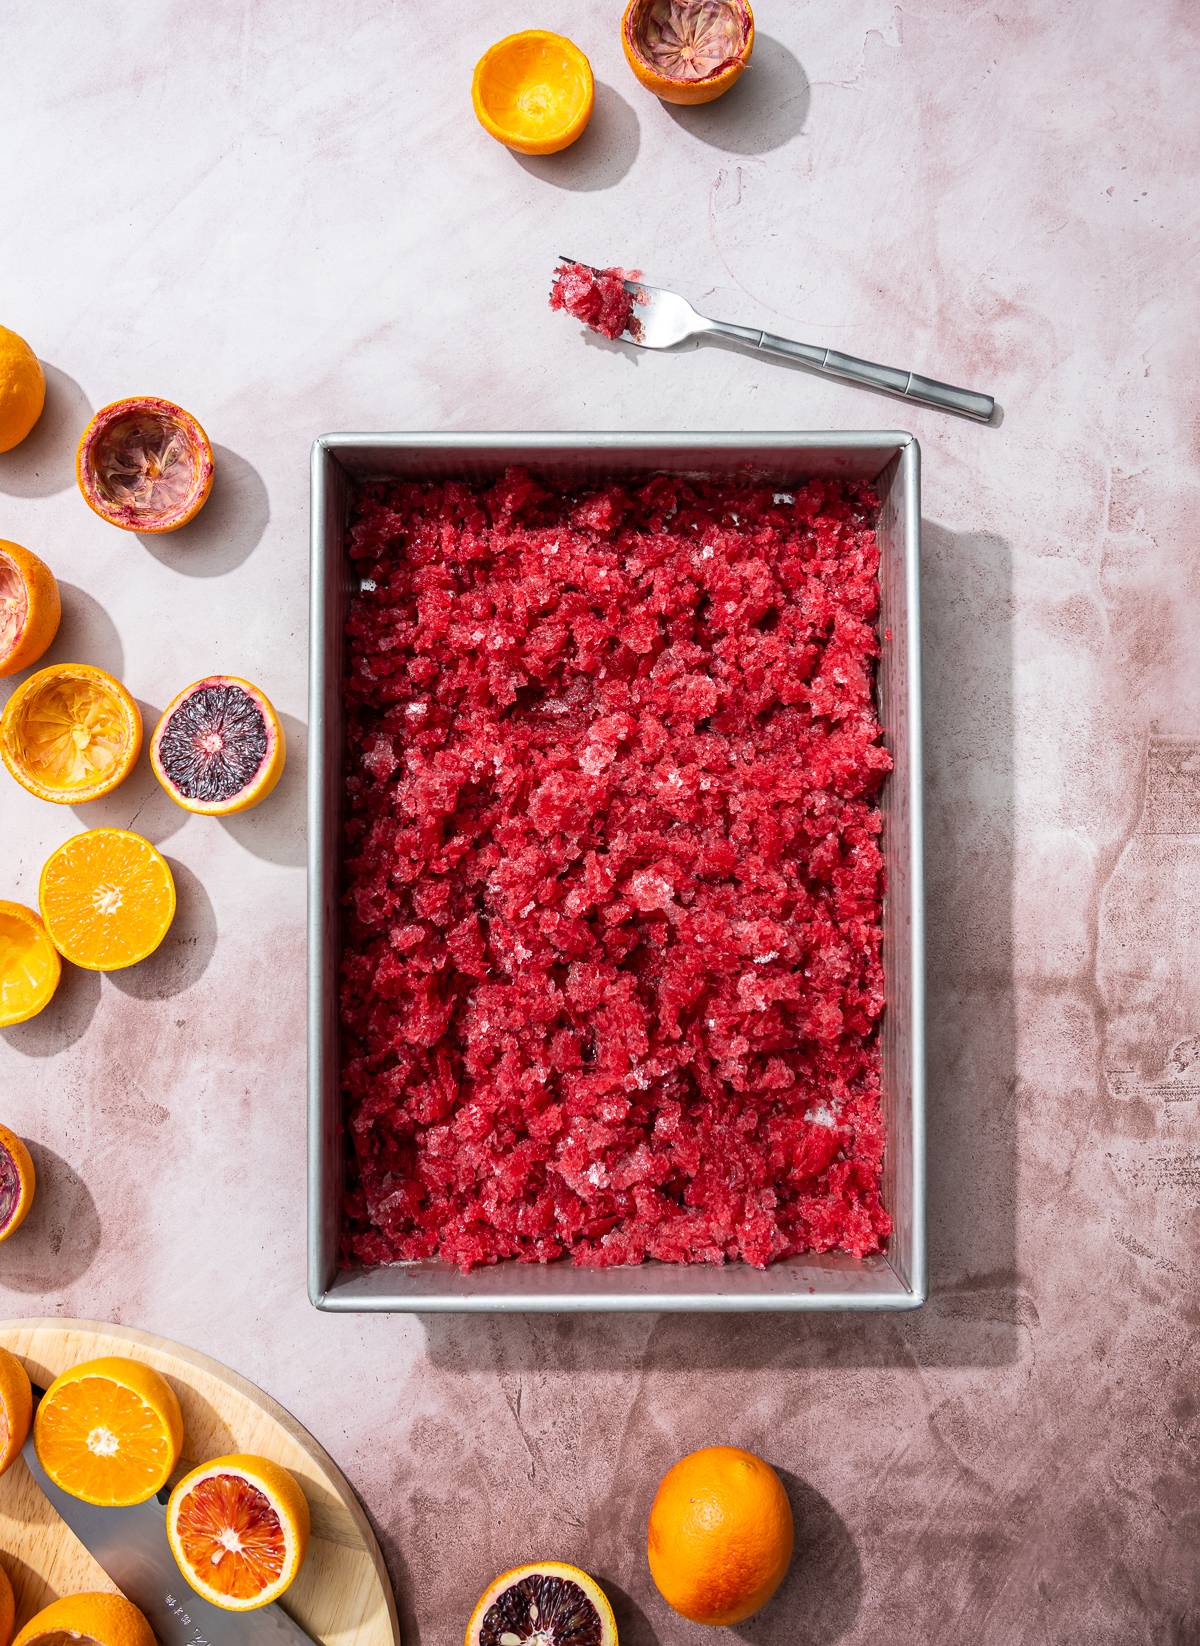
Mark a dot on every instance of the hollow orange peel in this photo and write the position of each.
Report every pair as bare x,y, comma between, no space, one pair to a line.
107,897
687,51
30,608
29,964
533,91
144,464
70,733
18,1183
109,1431
239,1528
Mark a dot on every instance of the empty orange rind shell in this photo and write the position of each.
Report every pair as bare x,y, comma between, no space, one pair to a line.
70,733
29,608
687,51
145,465
533,91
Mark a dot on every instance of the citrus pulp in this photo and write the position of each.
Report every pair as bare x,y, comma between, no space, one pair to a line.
109,1431
239,1530
219,747
70,733
107,897
546,1603
29,964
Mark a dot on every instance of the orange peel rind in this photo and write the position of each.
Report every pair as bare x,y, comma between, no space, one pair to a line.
144,464
70,733
105,1619
687,51
29,966
29,608
533,91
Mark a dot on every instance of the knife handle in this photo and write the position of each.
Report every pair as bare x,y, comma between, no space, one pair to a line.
926,390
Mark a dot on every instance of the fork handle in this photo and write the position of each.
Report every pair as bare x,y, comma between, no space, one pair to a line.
926,390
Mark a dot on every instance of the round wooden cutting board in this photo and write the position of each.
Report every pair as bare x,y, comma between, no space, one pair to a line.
342,1596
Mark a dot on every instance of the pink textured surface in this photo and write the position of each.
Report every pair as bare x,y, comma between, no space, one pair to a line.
296,240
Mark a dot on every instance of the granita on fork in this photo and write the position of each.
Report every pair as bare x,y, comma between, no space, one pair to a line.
612,983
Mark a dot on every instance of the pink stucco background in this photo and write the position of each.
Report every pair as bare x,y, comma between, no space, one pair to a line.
286,218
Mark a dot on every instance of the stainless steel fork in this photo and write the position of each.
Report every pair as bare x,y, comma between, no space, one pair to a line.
666,320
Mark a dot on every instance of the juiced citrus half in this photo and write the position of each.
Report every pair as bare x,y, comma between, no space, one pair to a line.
107,897
22,389
29,608
219,746
8,1608
546,1603
16,1414
109,1431
29,964
88,1620
687,51
239,1529
70,733
145,465
533,91
17,1182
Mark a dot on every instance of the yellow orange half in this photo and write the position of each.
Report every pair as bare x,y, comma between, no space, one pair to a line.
96,1619
109,1431
70,733
533,91
107,897
29,964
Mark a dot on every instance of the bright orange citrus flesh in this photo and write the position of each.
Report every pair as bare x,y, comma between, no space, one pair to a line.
29,608
145,465
533,91
22,389
239,1529
515,1593
17,1185
109,1431
70,733
108,898
687,51
183,721
720,1535
29,964
105,1619
16,1414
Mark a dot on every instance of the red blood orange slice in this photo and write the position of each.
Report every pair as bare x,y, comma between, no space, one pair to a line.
546,1603
145,465
219,746
239,1529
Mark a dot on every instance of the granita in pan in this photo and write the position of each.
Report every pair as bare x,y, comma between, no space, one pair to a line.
613,982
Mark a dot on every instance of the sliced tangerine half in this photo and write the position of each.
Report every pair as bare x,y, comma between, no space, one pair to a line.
88,1620
29,964
145,465
29,608
17,1184
70,733
109,1431
16,1414
239,1529
107,897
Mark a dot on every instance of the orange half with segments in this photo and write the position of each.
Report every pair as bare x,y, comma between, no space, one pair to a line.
109,1431
108,899
88,1620
239,1529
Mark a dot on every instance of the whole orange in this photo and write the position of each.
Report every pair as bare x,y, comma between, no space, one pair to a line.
720,1536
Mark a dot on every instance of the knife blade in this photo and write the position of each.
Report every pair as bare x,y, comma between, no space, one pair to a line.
131,1545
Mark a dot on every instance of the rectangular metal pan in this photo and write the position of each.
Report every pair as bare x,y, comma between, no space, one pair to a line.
893,1280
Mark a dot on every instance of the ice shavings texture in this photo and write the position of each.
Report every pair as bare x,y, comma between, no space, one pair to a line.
612,984
598,298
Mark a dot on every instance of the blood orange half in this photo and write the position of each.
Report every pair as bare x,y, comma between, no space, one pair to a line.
219,746
29,608
145,465
546,1603
239,1529
687,51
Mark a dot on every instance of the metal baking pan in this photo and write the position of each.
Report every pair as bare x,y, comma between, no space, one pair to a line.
892,1280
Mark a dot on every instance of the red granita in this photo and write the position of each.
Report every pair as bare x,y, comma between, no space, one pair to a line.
613,981
597,297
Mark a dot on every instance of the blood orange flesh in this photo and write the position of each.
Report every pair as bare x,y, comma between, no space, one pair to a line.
232,1536
219,746
547,1603
14,605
